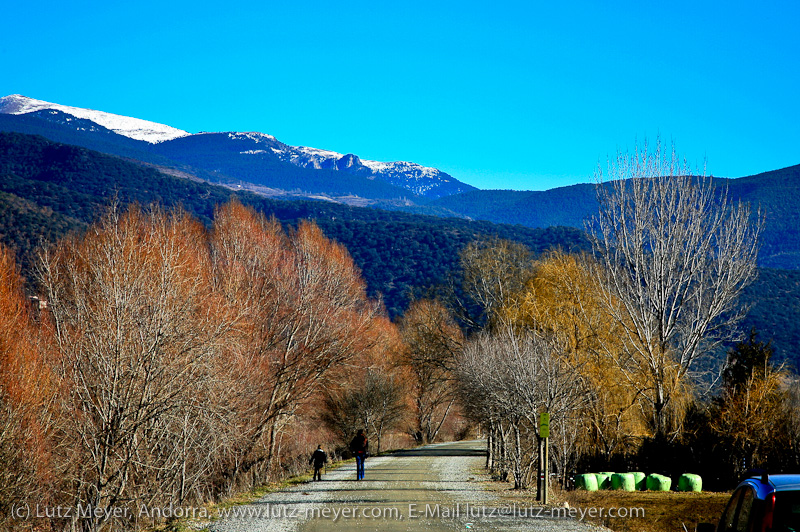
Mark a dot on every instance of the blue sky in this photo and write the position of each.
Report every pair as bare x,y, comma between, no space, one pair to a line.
521,95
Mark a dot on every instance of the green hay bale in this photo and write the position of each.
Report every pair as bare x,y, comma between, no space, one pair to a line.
586,482
623,481
690,482
639,480
603,480
658,483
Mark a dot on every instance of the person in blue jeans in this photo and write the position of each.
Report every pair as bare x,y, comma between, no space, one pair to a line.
359,447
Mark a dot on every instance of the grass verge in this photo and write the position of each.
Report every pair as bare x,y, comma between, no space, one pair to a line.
621,511
213,509
642,511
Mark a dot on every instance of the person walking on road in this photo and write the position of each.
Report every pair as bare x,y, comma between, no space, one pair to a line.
318,460
359,447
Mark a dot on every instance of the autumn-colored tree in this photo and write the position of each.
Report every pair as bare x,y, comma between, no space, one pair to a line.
26,390
753,404
561,299
179,356
372,392
304,311
432,341
137,330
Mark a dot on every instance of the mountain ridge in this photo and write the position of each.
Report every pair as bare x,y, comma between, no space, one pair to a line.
420,180
130,127
48,189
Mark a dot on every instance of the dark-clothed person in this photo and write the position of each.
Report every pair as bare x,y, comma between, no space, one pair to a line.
318,460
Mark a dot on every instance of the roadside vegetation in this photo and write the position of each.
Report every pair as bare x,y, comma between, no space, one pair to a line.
174,364
618,345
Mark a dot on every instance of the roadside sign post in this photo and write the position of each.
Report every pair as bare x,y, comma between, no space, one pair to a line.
544,434
539,471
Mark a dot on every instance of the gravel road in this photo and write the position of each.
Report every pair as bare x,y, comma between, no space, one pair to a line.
436,487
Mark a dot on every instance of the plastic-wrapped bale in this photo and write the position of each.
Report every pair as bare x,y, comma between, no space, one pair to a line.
603,480
639,479
690,482
623,481
586,482
657,482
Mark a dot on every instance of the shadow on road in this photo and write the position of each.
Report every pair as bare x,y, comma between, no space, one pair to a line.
423,451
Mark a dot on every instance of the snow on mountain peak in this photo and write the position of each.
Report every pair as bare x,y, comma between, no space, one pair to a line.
376,166
417,169
316,152
252,135
134,128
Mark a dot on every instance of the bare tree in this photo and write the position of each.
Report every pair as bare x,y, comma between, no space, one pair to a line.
432,342
137,333
495,272
674,255
376,403
509,377
304,311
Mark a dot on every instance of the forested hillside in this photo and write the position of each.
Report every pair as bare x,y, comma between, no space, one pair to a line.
775,193
48,189
567,206
775,311
248,160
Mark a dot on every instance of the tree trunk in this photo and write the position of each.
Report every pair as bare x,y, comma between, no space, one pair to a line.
490,447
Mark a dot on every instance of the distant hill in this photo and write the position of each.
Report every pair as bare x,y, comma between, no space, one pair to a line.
776,193
567,206
775,312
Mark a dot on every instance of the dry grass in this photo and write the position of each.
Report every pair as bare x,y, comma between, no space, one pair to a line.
662,510
659,511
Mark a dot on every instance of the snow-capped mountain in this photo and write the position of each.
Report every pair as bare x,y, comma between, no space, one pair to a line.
134,128
243,156
421,180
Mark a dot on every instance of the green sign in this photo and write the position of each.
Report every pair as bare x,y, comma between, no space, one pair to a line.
544,424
